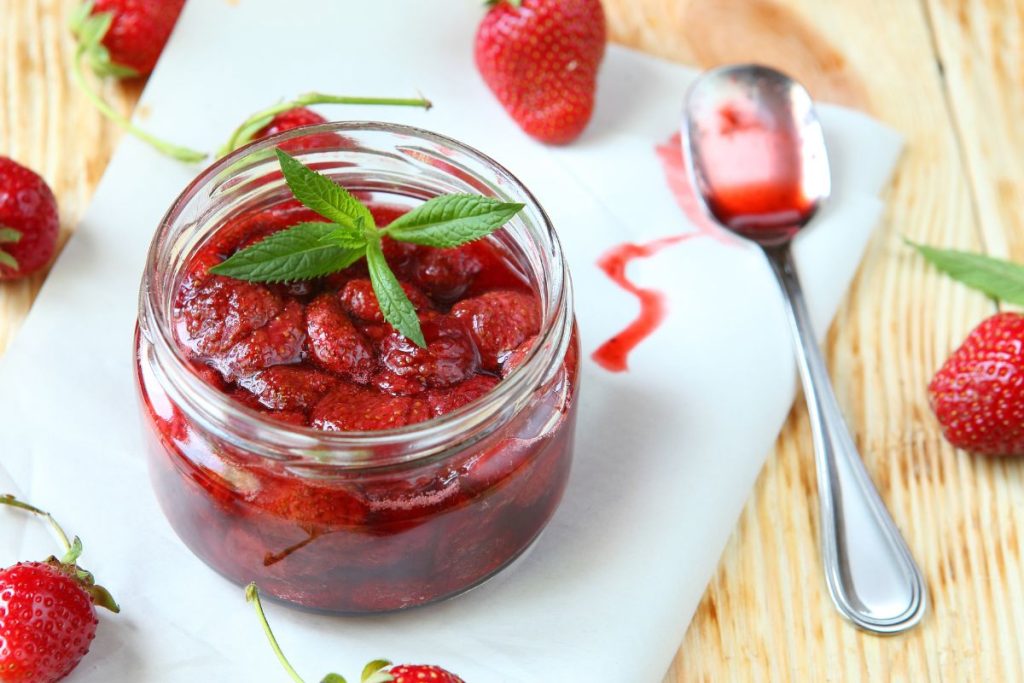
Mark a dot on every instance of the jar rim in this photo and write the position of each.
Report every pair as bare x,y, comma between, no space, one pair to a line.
215,410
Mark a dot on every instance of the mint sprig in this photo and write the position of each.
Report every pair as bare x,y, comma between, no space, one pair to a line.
999,279
310,250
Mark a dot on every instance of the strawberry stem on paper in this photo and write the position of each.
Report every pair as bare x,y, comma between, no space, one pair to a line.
245,132
175,151
252,594
10,500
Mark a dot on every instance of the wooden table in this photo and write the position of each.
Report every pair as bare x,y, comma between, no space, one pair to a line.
950,76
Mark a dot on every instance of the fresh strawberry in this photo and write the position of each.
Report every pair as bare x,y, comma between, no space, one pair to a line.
335,343
377,671
499,322
353,408
296,118
28,221
449,357
540,59
124,39
288,387
132,42
47,612
978,394
445,274
358,299
418,673
444,401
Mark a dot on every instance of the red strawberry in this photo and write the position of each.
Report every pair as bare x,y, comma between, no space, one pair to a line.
446,273
282,341
334,342
47,613
446,400
138,31
499,322
540,59
396,385
289,387
296,118
350,407
359,300
217,312
978,395
448,359
28,221
418,673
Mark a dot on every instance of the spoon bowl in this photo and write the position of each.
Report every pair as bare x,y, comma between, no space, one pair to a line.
757,158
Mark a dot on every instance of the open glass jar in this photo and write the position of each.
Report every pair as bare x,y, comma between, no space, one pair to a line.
369,521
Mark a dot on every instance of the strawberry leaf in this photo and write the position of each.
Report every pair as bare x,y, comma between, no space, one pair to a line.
323,195
394,303
372,668
298,253
1000,279
451,220
9,236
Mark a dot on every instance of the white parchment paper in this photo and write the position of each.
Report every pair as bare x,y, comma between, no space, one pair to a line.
667,452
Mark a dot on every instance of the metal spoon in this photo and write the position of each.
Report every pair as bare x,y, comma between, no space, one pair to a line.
758,162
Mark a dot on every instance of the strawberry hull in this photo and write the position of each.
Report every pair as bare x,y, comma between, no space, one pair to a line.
297,440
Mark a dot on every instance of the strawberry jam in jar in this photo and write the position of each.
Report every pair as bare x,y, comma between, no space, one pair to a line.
296,439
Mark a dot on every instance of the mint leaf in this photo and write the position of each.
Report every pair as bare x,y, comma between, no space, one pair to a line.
298,253
394,303
451,220
322,194
1000,279
349,238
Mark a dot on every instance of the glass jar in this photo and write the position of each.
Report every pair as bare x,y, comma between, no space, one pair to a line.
358,522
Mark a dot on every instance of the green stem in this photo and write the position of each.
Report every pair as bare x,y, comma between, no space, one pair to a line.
8,499
252,594
175,151
245,132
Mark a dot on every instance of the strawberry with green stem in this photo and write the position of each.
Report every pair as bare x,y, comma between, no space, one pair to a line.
29,223
314,249
377,671
251,128
141,29
47,611
978,394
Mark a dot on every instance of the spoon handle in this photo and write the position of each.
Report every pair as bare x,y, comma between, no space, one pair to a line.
870,573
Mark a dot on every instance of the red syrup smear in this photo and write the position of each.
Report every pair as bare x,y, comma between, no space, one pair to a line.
613,355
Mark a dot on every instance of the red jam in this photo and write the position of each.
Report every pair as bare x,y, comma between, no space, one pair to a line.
319,354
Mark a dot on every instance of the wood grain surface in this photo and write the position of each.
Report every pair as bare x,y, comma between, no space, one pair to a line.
948,74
